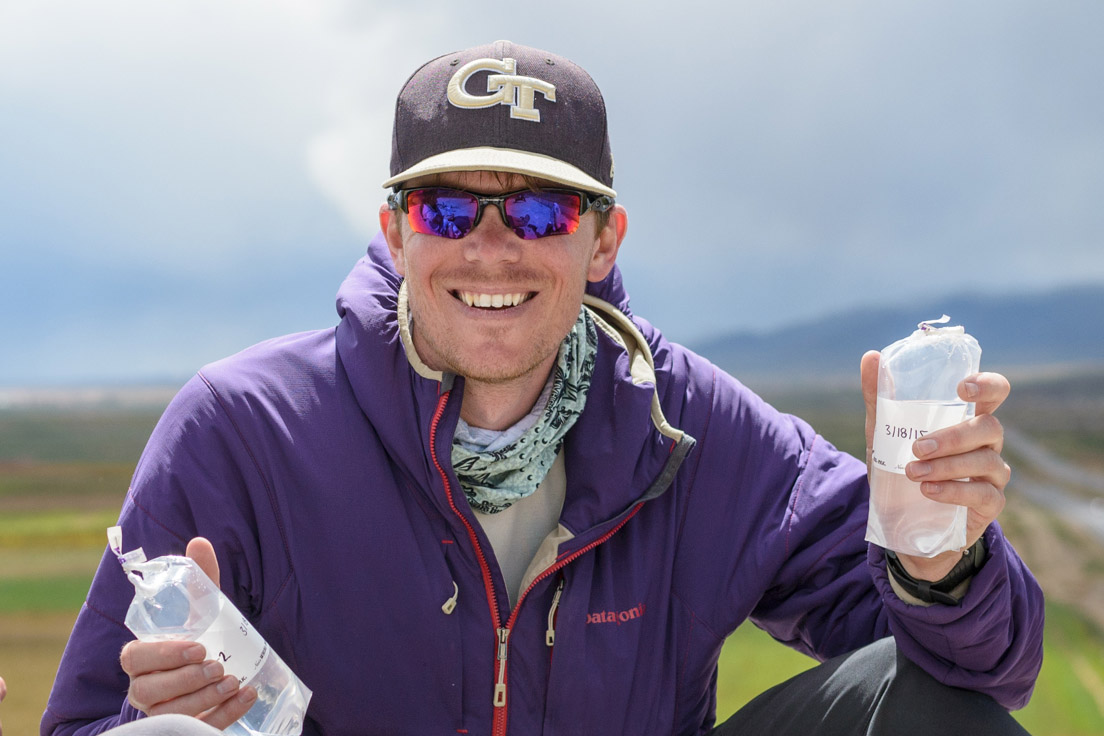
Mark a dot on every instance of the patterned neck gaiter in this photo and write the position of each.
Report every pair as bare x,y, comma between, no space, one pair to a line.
496,479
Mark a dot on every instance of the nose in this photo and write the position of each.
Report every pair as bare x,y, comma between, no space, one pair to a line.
492,241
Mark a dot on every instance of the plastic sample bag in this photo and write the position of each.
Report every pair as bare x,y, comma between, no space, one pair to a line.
175,600
917,393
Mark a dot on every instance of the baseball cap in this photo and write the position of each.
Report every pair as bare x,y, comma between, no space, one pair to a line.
503,107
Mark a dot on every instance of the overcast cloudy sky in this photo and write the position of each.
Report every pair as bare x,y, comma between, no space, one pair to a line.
182,178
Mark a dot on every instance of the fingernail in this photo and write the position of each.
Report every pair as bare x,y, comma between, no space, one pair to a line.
212,670
227,686
919,470
925,447
932,489
971,389
195,653
247,695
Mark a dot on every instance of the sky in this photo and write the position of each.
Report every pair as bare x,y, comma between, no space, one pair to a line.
180,179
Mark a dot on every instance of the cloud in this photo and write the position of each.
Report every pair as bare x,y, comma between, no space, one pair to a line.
168,133
779,161
863,156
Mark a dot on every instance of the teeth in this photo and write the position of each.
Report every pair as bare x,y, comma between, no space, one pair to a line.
492,301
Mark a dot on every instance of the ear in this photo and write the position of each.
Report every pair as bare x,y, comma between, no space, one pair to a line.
607,244
392,233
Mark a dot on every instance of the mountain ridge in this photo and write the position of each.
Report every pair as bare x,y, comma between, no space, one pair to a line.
1017,332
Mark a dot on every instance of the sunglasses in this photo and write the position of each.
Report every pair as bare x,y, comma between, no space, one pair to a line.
453,213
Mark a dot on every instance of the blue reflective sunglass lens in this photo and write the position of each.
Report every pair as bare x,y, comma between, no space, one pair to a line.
446,213
533,215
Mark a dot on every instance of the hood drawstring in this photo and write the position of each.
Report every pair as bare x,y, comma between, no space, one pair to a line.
450,605
550,632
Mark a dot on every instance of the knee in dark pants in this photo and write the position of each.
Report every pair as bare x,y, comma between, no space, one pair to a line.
873,691
917,703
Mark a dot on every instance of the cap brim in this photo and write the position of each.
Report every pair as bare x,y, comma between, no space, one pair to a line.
487,158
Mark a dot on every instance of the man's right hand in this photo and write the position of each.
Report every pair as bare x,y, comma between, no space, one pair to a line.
172,676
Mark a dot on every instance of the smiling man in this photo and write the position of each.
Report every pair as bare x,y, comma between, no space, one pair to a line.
493,500
495,308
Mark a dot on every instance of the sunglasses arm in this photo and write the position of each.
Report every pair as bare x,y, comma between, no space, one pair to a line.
397,200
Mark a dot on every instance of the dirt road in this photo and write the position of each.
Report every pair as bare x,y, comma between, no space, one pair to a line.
1073,493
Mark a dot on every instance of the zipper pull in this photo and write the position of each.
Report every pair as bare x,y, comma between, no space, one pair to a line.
500,685
550,632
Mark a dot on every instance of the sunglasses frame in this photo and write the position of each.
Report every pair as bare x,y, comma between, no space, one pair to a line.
397,199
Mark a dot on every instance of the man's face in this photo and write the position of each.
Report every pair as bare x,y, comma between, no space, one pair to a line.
447,281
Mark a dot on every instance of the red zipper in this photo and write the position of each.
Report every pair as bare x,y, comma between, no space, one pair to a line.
499,728
502,633
488,582
560,564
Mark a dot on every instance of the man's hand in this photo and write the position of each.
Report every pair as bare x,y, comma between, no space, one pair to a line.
172,677
3,692
970,450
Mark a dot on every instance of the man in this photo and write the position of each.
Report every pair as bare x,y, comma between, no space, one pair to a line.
493,501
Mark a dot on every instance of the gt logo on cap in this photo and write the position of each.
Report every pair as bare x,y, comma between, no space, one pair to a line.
506,88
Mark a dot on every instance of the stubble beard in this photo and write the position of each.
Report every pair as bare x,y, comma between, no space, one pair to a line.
446,350
457,358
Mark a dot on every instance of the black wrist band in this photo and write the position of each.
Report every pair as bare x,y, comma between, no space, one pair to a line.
938,591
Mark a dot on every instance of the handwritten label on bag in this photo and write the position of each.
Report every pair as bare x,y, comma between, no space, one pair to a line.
233,641
900,423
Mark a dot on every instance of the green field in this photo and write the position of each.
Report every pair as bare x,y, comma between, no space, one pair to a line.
63,476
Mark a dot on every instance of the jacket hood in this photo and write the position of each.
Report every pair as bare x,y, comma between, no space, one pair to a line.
623,424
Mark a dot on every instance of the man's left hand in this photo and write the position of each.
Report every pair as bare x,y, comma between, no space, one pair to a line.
970,451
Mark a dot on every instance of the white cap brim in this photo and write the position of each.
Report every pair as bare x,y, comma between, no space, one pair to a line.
488,158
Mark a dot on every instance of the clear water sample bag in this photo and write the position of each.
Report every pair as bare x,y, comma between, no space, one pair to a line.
175,600
917,393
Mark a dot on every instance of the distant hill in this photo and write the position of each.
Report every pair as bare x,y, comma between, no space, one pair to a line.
1016,333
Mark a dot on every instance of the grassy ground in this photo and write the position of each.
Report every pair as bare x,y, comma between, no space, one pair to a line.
31,644
1066,415
63,477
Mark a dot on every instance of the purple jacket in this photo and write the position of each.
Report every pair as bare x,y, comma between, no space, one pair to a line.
318,465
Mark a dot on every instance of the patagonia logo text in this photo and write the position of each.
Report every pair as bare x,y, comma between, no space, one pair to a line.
505,87
616,617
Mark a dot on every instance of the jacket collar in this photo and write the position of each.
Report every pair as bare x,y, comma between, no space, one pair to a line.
623,449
